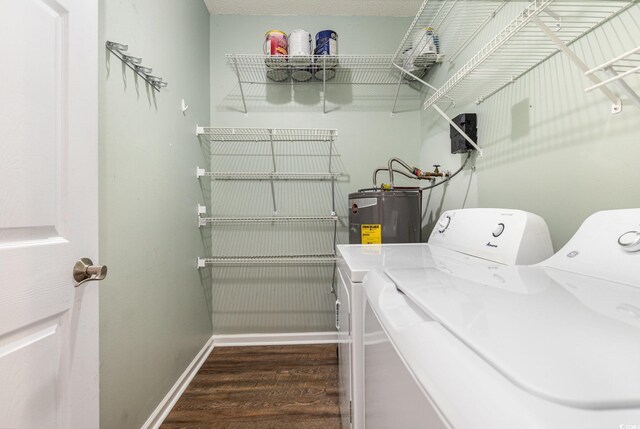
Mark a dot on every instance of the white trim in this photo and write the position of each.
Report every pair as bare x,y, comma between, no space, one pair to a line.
275,339
164,407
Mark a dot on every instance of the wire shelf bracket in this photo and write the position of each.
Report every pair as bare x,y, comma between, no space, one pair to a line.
617,70
616,106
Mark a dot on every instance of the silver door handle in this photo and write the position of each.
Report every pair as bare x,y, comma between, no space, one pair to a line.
85,271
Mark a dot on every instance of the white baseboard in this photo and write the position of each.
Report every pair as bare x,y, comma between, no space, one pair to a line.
164,407
275,339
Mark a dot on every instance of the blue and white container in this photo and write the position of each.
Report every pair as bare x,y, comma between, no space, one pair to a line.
425,41
326,48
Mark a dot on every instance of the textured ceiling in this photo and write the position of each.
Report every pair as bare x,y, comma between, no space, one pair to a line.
314,7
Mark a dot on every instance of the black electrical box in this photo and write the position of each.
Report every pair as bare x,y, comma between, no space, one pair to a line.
467,123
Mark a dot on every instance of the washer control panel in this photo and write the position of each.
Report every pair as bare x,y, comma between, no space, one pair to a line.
444,223
499,235
499,230
606,246
630,241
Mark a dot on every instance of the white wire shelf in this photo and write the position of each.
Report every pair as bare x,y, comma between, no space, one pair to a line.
616,70
267,134
322,70
327,259
349,69
522,45
264,219
460,21
217,175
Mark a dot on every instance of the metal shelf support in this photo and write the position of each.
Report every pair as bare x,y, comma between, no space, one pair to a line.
617,104
402,72
273,161
609,69
244,102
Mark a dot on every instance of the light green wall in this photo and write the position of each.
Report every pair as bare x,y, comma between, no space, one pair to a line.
263,299
154,309
549,148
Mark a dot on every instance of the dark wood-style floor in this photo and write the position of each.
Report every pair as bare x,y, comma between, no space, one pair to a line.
262,387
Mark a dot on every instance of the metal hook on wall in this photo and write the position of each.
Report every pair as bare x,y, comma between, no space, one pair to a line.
135,64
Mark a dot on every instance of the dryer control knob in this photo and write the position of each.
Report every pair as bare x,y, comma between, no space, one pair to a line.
443,224
630,241
499,230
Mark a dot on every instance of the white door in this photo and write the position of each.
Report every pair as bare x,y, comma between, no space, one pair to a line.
48,213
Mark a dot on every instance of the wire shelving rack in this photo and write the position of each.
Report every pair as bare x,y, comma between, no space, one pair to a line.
269,136
541,30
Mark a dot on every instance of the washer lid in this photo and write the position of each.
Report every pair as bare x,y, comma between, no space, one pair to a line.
563,336
356,260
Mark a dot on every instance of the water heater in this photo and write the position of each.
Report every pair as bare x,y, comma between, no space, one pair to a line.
385,216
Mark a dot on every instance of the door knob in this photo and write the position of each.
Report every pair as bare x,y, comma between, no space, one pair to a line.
85,271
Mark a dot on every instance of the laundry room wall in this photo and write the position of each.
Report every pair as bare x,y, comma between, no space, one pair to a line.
298,299
549,148
154,308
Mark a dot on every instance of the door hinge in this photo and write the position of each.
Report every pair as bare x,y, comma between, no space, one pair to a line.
350,412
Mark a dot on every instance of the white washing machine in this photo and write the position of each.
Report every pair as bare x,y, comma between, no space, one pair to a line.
468,236
554,345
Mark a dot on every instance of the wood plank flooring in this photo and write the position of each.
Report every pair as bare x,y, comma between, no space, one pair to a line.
262,387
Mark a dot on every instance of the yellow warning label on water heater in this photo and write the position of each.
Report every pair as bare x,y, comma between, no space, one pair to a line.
371,234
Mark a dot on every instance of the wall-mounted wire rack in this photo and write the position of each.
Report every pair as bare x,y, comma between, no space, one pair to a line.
539,31
617,70
248,175
340,70
203,221
269,260
534,35
266,138
462,21
266,134
135,63
459,22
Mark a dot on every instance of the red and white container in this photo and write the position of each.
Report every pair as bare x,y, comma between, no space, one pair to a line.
276,46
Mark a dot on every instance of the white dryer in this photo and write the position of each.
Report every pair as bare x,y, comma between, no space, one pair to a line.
555,345
467,236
